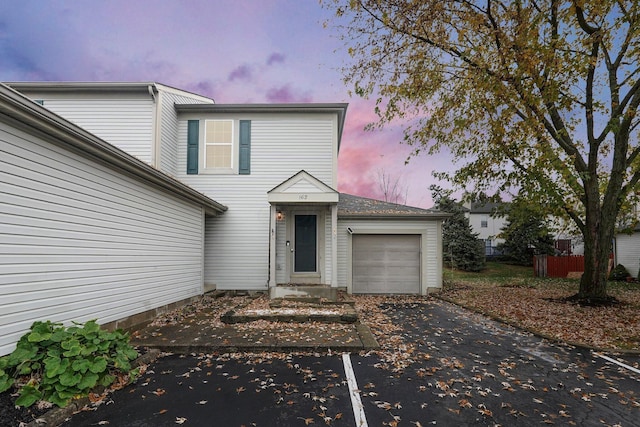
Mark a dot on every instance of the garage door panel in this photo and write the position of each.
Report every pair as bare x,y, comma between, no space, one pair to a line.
383,263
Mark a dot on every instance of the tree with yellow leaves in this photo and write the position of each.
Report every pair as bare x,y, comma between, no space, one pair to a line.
535,97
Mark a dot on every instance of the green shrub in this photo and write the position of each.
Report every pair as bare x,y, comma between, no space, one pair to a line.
619,273
57,363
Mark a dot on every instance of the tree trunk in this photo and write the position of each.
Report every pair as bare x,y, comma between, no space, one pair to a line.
597,251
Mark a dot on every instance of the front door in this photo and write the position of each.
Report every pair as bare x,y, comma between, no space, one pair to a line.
306,248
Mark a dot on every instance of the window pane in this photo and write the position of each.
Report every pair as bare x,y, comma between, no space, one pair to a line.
219,144
219,131
218,156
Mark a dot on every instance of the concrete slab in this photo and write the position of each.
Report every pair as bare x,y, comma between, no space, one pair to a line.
201,330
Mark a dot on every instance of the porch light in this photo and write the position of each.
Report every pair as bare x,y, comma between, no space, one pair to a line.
279,216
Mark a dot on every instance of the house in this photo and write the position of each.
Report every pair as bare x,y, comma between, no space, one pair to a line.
86,230
160,195
485,220
626,243
627,251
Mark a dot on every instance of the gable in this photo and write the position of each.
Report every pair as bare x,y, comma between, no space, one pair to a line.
303,188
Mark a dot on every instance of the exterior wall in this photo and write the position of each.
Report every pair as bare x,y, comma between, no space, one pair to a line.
282,253
237,242
80,241
628,252
431,231
328,256
493,228
124,120
167,149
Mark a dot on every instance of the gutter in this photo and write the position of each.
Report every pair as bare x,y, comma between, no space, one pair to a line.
434,216
16,108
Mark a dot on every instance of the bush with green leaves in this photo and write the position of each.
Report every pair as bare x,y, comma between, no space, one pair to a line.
56,363
619,273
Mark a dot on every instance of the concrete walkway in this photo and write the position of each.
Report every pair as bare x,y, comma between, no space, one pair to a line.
203,332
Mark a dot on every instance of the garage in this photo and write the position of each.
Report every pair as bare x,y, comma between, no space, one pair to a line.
386,263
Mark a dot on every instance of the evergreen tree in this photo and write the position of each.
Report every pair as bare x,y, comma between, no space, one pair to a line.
461,247
526,234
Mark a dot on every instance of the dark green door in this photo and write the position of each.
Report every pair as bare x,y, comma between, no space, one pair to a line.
306,244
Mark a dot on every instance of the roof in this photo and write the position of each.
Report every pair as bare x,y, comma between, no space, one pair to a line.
93,87
356,206
20,111
335,108
485,207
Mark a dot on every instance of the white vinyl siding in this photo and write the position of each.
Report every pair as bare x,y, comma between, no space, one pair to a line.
328,256
282,252
487,226
126,121
628,252
168,161
237,242
431,245
80,241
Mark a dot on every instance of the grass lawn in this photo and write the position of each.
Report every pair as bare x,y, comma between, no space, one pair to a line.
512,294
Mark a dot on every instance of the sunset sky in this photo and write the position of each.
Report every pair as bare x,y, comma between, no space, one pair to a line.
235,51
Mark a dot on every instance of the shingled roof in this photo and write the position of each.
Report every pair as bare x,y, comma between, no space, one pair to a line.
485,207
356,206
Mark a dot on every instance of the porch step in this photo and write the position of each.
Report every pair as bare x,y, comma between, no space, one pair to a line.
308,292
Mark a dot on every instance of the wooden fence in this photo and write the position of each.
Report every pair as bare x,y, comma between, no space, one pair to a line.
557,266
560,266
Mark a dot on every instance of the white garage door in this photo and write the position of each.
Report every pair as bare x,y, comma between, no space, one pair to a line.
386,263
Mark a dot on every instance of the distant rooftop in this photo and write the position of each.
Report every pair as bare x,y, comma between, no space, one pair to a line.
356,206
485,207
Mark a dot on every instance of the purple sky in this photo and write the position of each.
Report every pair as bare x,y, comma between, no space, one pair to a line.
235,51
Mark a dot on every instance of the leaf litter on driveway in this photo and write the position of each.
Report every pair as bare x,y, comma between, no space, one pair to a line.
437,363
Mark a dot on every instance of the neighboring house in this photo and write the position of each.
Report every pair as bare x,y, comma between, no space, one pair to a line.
627,251
627,245
487,224
486,221
141,234
86,230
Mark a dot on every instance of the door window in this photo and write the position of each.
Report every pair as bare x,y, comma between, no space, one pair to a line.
305,244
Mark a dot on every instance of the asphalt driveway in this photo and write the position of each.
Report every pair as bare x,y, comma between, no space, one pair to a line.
439,365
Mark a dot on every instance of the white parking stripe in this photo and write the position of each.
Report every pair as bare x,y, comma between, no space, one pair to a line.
356,403
631,368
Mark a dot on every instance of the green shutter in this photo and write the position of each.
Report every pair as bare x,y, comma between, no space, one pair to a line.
193,131
245,147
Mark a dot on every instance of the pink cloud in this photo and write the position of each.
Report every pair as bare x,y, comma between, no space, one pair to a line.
275,58
286,94
243,72
203,87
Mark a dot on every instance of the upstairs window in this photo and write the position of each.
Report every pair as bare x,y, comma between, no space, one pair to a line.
484,221
218,144
219,147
